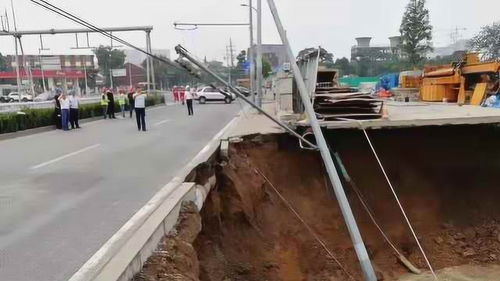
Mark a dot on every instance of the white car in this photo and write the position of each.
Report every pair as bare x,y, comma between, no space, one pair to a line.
45,96
14,97
210,94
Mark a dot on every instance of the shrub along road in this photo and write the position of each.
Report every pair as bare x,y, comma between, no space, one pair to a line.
64,194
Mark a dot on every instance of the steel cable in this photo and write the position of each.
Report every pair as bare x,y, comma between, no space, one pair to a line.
306,225
398,201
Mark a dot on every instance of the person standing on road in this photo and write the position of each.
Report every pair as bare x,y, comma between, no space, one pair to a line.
175,92
57,111
130,97
104,105
64,101
121,101
182,94
111,105
140,109
74,104
189,100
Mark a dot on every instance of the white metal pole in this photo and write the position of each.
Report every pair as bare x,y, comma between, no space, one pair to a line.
27,67
151,61
111,78
251,53
41,69
259,52
359,246
18,74
130,74
85,73
148,68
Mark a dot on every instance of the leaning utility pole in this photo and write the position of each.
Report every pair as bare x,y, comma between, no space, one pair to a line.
359,246
259,52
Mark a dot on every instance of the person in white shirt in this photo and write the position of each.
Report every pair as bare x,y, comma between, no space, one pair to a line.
74,104
64,101
140,109
189,99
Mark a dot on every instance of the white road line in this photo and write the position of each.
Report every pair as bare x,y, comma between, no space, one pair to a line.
65,156
161,122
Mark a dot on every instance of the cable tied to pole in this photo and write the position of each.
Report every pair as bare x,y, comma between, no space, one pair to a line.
306,225
397,199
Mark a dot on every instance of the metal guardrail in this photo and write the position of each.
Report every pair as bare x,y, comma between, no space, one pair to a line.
18,106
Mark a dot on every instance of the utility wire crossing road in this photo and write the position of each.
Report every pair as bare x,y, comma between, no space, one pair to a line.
64,194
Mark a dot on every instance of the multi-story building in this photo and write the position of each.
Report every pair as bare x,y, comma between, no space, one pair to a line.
49,71
364,51
55,62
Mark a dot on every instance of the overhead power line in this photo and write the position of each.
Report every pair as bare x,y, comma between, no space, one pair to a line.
48,6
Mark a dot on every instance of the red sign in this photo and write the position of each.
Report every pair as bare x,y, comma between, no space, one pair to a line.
70,74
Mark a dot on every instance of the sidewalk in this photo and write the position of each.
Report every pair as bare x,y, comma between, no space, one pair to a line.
252,122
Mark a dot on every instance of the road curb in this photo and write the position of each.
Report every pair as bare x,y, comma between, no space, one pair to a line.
124,254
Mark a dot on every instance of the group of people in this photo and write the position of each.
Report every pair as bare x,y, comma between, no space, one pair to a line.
134,100
67,106
184,95
67,109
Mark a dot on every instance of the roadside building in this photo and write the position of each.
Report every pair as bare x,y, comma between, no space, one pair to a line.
53,71
133,75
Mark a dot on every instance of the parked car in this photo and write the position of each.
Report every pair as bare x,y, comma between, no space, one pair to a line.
4,98
243,90
14,97
45,96
210,94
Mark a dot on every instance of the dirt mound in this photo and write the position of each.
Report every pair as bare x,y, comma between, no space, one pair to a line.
249,234
176,258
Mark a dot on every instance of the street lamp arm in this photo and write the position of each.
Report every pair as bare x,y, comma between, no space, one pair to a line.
246,5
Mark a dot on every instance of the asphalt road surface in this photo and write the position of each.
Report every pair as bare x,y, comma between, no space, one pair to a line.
64,194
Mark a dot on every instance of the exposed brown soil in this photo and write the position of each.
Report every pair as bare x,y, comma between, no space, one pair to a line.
446,179
176,258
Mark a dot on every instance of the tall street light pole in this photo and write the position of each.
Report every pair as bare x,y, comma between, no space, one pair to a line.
251,54
259,52
251,50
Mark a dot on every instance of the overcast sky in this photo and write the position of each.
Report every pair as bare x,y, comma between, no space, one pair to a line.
332,24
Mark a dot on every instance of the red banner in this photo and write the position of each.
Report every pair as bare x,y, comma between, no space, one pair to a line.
69,74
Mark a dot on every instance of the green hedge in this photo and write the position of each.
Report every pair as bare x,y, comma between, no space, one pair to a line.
35,118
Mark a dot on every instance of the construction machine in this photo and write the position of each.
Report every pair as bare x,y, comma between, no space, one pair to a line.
468,81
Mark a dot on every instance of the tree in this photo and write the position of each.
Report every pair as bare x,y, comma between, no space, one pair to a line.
242,65
3,63
487,42
416,32
267,68
344,66
161,71
109,58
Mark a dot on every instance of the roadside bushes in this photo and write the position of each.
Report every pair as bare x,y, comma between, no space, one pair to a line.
35,118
